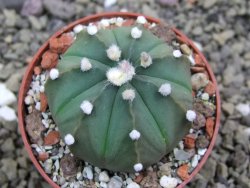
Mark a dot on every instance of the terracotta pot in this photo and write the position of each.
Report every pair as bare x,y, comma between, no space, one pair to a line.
37,58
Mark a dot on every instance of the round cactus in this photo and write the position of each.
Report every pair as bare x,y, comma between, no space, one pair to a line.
121,98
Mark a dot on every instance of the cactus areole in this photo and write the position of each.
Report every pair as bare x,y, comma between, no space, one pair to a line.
121,97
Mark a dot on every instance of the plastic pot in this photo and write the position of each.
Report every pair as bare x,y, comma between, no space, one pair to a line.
37,58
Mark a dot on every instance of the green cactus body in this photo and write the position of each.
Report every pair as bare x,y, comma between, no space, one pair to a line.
102,137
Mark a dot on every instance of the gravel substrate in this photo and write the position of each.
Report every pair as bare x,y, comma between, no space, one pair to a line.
219,26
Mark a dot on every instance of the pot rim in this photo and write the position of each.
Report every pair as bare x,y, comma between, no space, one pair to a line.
92,18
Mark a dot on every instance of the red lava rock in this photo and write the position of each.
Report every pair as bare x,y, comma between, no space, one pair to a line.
182,172
210,127
198,61
69,165
204,108
198,69
189,141
44,102
193,93
210,88
128,22
52,138
139,178
61,44
34,127
49,60
43,156
202,142
37,70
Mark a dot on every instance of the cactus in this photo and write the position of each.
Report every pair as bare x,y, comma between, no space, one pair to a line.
121,97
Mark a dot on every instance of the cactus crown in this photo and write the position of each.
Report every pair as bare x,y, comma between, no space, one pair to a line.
121,97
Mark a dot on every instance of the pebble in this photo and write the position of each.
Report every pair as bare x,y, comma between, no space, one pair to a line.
165,169
88,173
244,109
199,121
115,182
195,161
209,4
182,172
181,155
7,114
7,145
6,96
223,37
9,166
199,80
103,176
109,3
133,185
168,182
202,142
48,166
69,165
228,108
185,49
32,7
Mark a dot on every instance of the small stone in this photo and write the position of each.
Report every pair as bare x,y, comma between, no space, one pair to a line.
103,176
205,96
133,185
69,165
37,70
8,145
210,127
6,96
228,108
139,178
168,182
9,166
202,151
168,2
199,80
205,108
195,161
60,9
189,141
222,170
197,31
244,109
52,138
165,169
185,49
3,178
210,88
61,44
181,155
150,180
199,121
209,169
224,36
198,61
209,4
49,60
43,156
88,173
10,17
198,69
109,3
202,142
7,114
44,102
48,166
115,182
32,7
182,172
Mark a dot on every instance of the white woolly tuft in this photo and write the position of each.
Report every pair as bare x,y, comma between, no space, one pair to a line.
85,64
168,182
114,52
146,59
165,89
136,33
86,107
54,74
191,59
141,20
190,115
138,167
128,94
116,76
69,139
121,74
92,29
78,28
134,134
177,53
